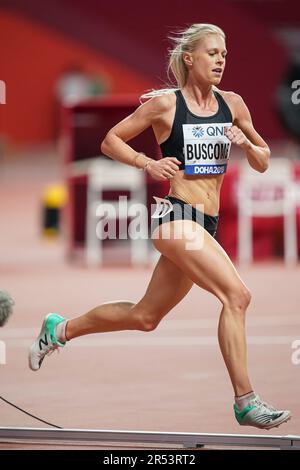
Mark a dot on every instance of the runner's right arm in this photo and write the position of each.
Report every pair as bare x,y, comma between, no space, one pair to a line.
115,144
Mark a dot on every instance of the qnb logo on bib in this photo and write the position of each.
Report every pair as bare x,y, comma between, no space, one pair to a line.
198,131
206,148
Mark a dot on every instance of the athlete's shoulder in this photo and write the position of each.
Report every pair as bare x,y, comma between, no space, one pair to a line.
160,101
158,104
230,96
234,101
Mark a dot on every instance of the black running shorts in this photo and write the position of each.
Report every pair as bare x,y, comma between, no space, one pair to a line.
180,210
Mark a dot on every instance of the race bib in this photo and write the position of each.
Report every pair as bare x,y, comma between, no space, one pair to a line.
206,148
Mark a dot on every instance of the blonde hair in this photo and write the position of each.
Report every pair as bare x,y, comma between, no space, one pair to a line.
185,41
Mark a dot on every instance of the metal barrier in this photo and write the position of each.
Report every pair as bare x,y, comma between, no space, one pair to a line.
186,440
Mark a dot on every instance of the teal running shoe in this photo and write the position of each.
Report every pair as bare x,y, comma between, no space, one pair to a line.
46,342
261,415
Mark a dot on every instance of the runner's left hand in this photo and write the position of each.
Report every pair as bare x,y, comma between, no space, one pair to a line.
236,136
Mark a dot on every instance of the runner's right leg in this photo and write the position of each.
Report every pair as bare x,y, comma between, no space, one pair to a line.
145,315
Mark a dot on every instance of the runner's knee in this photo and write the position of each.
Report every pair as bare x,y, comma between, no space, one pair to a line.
238,299
145,319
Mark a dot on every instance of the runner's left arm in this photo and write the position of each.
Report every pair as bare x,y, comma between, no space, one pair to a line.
243,134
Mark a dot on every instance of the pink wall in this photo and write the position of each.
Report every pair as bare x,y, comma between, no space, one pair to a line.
32,58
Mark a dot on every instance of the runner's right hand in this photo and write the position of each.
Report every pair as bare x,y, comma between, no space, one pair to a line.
163,169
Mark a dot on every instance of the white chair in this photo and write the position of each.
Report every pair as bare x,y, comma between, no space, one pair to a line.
111,175
268,194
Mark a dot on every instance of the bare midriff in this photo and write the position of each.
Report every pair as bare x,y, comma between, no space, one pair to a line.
198,190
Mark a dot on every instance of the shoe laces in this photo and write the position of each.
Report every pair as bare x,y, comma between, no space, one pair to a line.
259,402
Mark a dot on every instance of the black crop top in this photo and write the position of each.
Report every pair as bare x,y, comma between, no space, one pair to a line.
199,142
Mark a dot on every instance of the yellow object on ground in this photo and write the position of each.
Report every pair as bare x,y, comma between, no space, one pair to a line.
54,200
55,196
